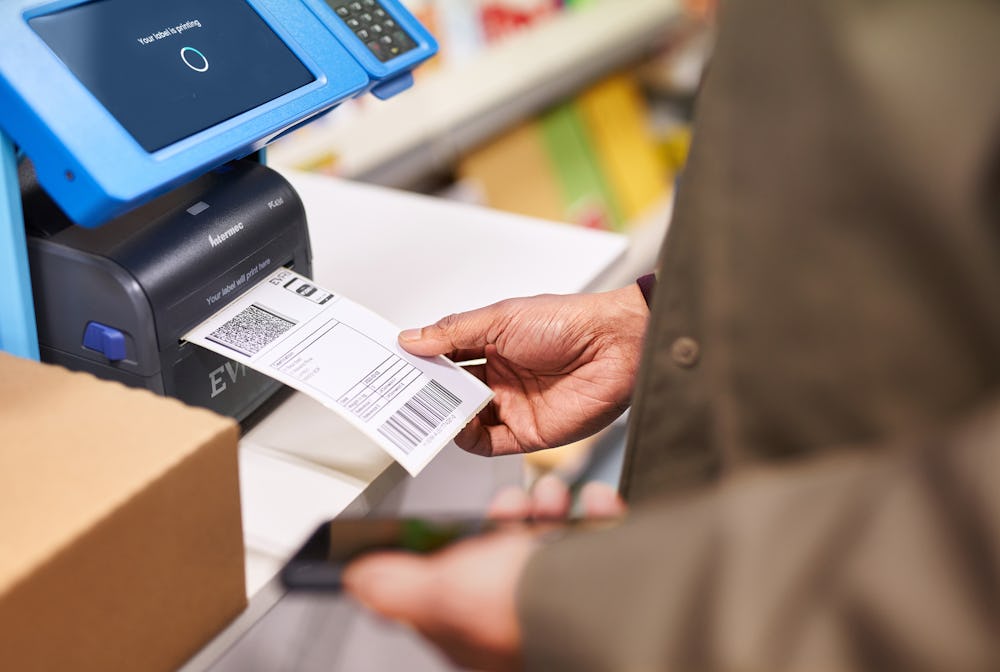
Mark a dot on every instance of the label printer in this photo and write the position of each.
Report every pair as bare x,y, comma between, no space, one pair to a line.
133,201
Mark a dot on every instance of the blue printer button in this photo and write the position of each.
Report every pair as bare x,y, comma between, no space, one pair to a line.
106,340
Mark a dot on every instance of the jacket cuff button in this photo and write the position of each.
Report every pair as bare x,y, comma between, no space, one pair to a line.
685,352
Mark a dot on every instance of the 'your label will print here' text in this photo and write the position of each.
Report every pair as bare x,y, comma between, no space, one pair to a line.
238,282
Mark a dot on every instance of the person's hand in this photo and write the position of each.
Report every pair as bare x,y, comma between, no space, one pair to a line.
550,500
561,367
463,599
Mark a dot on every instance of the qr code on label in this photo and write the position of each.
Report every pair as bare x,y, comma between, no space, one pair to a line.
251,330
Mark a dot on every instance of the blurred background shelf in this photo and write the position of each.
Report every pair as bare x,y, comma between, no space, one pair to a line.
407,141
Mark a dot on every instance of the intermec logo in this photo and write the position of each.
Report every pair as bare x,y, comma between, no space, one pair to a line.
228,233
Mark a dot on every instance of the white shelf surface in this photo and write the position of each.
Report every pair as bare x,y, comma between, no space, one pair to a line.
452,109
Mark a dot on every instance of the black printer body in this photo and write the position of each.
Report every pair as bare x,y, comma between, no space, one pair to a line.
116,300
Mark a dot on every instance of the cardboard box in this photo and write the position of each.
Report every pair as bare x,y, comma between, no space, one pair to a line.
121,545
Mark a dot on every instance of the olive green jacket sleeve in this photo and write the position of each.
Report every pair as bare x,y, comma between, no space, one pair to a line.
829,438
883,559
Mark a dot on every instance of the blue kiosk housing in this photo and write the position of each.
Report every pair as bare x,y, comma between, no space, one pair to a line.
118,102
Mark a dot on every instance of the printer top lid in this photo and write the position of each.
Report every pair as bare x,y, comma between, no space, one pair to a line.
183,248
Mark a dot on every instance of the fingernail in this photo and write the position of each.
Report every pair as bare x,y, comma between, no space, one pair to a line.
510,503
550,497
550,484
410,335
601,500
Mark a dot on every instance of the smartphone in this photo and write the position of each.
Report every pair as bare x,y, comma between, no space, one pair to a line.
320,561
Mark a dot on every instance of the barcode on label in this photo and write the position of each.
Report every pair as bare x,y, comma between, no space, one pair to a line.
251,330
420,416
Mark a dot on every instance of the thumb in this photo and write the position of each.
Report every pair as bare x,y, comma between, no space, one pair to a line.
414,342
392,584
460,331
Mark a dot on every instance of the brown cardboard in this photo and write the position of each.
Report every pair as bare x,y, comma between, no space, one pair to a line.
121,545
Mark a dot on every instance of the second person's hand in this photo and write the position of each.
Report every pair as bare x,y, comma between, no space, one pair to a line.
561,367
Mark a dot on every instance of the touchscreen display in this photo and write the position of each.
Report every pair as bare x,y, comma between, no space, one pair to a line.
168,69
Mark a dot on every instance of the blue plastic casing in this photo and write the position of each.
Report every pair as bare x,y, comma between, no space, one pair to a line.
17,311
384,75
94,169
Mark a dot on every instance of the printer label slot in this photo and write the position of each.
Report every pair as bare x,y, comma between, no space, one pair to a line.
224,288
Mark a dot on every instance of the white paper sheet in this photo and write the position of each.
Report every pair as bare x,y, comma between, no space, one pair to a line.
346,357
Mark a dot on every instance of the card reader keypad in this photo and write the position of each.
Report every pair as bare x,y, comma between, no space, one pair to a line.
374,26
